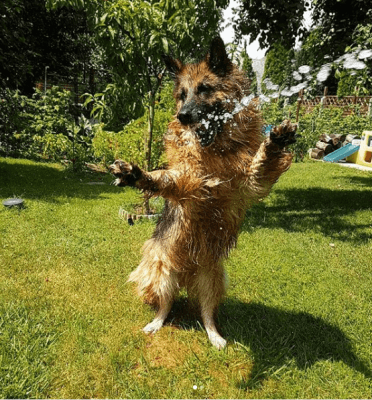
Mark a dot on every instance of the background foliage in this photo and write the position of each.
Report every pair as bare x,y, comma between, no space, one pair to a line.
45,126
338,29
128,144
357,82
120,43
135,34
280,21
32,38
312,124
278,67
247,66
22,118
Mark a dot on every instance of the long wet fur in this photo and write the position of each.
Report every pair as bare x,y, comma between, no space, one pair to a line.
219,166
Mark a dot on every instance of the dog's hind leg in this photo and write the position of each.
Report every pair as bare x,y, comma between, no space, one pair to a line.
165,306
215,338
157,283
210,286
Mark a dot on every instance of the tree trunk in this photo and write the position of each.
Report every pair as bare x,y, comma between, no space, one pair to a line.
150,130
148,141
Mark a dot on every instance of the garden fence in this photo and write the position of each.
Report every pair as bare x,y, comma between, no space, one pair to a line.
349,104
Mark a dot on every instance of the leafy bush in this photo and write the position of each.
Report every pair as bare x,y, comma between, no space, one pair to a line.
10,121
247,66
43,126
312,125
277,67
129,143
347,84
111,106
357,81
75,147
22,118
276,111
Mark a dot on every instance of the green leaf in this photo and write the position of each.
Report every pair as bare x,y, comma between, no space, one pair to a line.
165,45
111,32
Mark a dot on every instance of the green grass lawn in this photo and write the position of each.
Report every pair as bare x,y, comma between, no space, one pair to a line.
297,315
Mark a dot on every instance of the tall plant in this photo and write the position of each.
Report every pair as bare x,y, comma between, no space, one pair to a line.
276,67
135,34
247,66
357,81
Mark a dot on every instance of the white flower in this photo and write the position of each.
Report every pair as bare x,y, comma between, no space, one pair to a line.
270,85
304,69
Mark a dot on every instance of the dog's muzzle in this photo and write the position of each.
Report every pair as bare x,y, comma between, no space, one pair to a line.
196,118
206,137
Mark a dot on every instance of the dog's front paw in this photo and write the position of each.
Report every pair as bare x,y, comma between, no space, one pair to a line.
284,134
126,174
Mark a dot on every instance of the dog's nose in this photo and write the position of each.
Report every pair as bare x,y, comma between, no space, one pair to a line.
185,117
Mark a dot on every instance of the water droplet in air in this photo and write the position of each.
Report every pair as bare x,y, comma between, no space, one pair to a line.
297,76
354,64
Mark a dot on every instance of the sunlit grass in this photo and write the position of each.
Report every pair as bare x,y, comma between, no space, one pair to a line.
297,313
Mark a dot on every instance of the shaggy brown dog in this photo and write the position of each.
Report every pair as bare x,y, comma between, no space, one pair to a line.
219,165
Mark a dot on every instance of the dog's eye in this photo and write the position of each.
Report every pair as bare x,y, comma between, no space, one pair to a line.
183,95
204,88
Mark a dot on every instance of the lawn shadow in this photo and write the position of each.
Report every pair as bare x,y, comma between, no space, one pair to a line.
277,338
319,209
361,181
45,182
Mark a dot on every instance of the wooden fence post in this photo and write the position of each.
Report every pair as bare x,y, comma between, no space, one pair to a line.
324,98
299,101
356,90
370,108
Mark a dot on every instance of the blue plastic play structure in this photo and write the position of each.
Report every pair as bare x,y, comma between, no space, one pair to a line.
342,153
267,129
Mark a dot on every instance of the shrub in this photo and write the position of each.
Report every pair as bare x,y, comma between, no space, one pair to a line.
75,147
312,125
129,144
23,118
43,126
346,85
11,122
277,67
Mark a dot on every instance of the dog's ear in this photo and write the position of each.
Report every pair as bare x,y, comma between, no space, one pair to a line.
174,66
217,59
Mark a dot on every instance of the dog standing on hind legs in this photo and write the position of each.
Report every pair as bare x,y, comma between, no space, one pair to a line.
219,165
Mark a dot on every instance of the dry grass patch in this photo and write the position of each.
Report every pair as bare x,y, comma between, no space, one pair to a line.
165,350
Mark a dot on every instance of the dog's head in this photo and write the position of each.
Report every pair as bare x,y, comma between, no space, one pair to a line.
204,92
